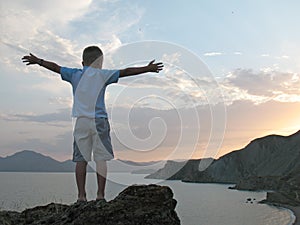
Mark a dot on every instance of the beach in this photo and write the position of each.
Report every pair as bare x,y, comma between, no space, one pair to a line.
296,211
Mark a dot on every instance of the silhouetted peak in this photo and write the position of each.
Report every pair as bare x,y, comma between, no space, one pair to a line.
27,153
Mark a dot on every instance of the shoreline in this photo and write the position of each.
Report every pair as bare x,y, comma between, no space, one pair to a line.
296,212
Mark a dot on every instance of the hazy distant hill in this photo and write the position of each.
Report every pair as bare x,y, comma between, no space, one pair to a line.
30,161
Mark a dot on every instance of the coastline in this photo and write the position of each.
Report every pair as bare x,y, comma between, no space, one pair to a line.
296,212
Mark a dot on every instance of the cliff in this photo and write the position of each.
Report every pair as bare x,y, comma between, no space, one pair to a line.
267,163
137,204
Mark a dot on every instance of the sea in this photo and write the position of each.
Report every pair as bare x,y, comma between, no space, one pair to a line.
197,204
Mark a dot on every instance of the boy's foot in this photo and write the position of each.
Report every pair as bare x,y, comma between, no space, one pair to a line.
101,200
80,201
81,198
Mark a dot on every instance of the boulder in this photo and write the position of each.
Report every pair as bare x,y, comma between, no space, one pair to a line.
137,204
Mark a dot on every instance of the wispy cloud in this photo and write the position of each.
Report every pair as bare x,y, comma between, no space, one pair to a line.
62,115
264,55
283,57
213,54
62,101
263,85
237,53
104,20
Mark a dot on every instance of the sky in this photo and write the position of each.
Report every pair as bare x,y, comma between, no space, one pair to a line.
232,71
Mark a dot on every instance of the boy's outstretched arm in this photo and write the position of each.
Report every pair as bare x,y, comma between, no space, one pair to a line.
32,59
151,67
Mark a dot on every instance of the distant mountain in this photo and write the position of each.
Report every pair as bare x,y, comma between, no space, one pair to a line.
30,161
134,167
178,170
267,163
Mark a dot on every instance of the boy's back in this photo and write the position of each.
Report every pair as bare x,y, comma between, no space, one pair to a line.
89,87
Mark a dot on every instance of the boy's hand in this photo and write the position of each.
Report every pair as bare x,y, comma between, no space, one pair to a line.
155,67
151,67
31,59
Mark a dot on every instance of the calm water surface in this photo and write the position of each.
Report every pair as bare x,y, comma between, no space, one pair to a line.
198,204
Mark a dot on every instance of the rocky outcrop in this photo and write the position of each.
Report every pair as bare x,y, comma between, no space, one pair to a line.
137,204
283,198
262,183
288,193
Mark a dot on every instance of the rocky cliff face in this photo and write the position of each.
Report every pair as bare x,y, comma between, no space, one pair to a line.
179,170
272,155
267,163
138,204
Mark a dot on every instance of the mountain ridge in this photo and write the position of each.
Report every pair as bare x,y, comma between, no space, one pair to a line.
271,162
31,161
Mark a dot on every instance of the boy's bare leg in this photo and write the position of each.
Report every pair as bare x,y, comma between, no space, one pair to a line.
80,172
101,168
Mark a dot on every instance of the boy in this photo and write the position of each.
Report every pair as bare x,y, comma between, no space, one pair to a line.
91,132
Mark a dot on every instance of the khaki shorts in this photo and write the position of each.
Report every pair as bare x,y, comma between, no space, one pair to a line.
92,136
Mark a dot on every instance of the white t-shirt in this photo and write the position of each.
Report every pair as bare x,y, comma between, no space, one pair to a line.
89,85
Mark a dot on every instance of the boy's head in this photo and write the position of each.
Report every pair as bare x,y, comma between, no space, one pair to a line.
92,56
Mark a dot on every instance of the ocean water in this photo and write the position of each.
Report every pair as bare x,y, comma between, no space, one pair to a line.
198,204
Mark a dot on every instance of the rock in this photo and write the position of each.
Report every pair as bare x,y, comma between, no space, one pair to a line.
283,198
257,183
137,204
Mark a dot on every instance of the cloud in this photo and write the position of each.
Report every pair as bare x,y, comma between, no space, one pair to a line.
264,85
106,19
172,58
245,120
213,53
32,27
189,131
237,53
58,31
184,129
63,101
51,85
283,57
40,134
175,89
56,118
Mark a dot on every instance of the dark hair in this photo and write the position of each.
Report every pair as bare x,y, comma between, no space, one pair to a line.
90,54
